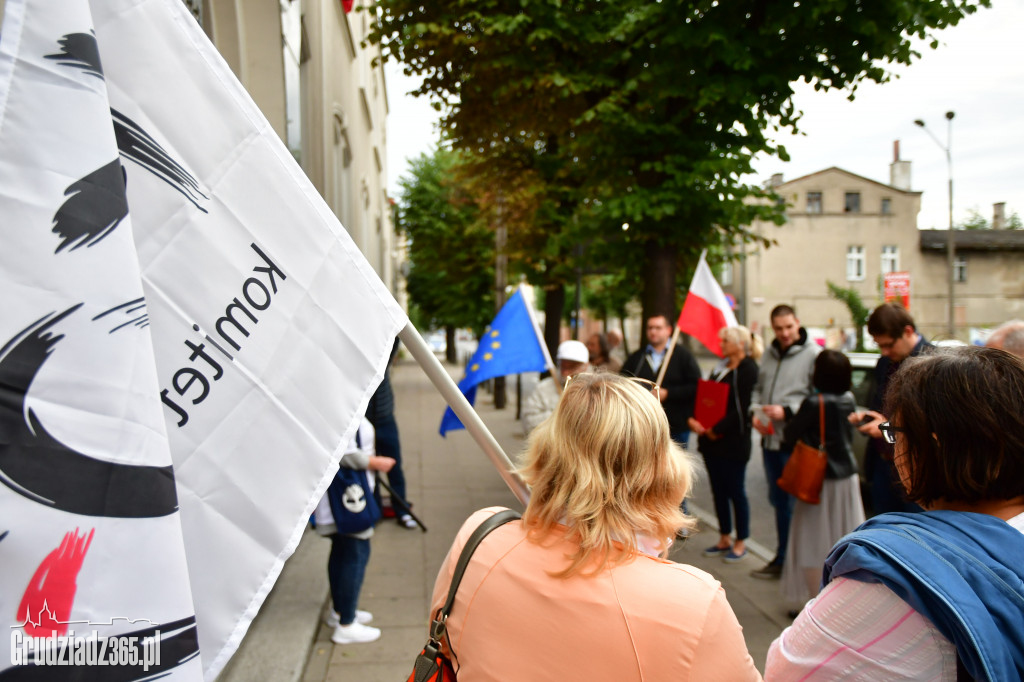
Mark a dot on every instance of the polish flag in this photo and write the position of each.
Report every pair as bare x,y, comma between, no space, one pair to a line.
706,310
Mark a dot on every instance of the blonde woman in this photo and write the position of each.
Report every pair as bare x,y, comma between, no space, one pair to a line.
725,445
579,589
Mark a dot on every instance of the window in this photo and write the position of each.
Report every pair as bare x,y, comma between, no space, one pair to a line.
890,259
886,206
852,203
959,268
814,202
855,263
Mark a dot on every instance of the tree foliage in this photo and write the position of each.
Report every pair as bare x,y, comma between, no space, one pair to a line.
976,221
451,249
642,111
859,312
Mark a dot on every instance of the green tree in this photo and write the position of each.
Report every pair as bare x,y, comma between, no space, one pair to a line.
451,250
651,111
974,221
858,311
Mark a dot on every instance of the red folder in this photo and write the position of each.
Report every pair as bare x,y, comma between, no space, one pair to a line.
709,406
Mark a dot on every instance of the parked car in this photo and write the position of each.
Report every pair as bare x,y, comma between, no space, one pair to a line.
863,387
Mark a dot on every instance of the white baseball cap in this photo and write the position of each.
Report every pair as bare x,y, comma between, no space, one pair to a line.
573,351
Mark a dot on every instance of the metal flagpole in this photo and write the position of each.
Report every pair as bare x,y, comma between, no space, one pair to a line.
463,410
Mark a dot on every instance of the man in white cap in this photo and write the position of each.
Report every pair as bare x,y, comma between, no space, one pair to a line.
573,358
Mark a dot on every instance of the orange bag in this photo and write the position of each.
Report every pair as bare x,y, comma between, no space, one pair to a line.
804,474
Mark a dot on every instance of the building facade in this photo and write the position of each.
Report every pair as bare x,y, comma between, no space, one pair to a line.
851,231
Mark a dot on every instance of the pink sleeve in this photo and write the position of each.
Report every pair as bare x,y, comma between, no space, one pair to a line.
444,575
855,630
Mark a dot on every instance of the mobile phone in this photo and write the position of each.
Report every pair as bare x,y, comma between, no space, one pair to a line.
866,420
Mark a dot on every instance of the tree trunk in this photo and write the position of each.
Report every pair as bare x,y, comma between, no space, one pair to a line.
554,306
450,352
659,297
622,330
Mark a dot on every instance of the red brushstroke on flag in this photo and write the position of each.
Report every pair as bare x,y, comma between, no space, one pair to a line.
46,605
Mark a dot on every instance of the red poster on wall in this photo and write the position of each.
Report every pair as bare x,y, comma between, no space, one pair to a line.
897,288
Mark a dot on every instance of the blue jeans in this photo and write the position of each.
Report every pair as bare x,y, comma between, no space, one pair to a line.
727,479
346,567
389,445
774,463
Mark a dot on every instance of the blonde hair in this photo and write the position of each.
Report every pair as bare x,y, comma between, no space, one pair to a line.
605,465
741,335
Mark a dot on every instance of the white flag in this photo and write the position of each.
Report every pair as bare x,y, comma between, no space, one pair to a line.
90,532
270,330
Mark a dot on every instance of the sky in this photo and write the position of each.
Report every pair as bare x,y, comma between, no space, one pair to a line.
977,72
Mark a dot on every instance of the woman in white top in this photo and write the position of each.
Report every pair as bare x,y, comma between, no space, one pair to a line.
937,595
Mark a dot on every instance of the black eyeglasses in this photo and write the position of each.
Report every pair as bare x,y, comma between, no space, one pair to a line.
889,432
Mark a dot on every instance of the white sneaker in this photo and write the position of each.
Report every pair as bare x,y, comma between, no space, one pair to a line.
333,620
406,521
356,633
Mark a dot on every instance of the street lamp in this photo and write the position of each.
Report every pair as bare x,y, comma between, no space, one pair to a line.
950,244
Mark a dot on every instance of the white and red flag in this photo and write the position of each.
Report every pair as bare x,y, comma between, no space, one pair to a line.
706,310
188,337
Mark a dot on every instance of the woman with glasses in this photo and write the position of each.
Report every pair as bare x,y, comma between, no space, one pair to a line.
936,595
579,589
816,527
725,445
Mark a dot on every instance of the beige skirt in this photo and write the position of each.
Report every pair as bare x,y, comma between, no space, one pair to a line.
815,528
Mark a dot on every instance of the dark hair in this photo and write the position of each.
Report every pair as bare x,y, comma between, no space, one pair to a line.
602,343
890,319
832,372
782,310
962,415
668,318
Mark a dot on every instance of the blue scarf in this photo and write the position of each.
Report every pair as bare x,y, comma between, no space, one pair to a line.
962,571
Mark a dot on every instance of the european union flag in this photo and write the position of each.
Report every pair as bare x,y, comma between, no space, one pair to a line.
509,346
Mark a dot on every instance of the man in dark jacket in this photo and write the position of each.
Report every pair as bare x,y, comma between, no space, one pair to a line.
893,329
678,388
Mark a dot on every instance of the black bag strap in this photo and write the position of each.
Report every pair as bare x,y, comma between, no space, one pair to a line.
821,422
437,628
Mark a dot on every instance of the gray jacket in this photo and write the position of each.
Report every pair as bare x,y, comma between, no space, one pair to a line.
785,379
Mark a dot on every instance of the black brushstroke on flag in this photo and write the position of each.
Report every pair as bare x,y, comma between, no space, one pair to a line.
79,50
96,205
136,145
130,308
39,467
179,643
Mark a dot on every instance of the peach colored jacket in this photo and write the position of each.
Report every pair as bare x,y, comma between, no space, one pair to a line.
646,620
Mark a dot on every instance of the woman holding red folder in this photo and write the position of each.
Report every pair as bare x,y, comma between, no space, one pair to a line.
725,442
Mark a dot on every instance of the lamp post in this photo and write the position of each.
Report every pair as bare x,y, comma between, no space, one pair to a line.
950,244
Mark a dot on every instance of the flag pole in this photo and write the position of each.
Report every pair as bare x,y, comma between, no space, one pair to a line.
540,341
668,354
463,410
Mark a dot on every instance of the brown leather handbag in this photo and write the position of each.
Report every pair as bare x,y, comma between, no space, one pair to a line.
804,474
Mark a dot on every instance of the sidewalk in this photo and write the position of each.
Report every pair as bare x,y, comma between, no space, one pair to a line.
448,479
